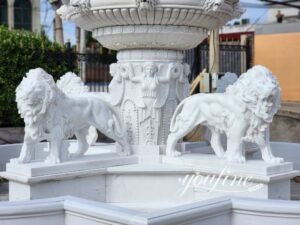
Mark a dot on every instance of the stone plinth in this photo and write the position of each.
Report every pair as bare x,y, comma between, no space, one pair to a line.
84,177
197,177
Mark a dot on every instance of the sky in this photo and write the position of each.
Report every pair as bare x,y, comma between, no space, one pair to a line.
255,11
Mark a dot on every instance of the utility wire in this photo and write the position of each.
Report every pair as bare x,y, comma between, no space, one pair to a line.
257,20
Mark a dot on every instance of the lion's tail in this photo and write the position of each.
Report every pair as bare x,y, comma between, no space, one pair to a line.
116,125
71,84
174,125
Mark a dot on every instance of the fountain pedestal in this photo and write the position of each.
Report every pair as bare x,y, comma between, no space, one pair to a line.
147,86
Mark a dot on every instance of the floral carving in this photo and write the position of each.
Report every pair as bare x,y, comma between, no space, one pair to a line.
146,4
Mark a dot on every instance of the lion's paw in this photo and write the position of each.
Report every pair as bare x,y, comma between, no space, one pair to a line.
173,153
236,159
75,155
17,161
52,160
124,153
275,160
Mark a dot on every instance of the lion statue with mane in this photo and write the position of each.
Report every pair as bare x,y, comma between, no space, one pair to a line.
56,112
243,113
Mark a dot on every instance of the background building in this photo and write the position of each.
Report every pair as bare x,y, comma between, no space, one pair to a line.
21,14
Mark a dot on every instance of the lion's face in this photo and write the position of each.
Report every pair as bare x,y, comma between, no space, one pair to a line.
30,104
268,104
260,92
34,95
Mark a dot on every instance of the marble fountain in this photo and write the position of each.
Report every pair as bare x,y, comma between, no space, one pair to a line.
149,176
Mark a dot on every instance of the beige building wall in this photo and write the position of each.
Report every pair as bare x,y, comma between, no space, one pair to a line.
281,54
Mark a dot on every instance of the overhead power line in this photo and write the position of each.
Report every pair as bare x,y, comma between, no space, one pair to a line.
287,3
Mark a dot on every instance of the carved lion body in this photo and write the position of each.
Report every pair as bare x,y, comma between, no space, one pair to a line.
244,113
54,113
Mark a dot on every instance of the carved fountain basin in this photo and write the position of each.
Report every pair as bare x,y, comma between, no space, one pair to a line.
164,24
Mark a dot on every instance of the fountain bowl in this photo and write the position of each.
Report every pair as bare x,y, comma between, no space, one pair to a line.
163,24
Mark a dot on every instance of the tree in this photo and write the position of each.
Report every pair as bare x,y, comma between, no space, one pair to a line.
19,52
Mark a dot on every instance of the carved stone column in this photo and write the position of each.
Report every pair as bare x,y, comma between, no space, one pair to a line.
147,86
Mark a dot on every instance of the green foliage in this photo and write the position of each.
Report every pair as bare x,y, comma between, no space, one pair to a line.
21,51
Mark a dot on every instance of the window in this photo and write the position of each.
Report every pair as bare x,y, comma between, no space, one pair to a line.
3,12
22,14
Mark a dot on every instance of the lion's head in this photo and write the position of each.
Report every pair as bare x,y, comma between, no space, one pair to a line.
260,92
34,95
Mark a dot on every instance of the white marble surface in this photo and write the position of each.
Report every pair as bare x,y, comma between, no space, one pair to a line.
208,162
57,111
164,24
221,211
244,113
84,177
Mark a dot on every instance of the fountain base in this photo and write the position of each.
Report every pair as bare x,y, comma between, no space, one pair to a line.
84,177
108,177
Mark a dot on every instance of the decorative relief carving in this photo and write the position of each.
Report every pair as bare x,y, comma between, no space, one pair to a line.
72,7
171,24
131,118
146,4
183,85
149,12
148,89
116,86
148,29
212,5
167,113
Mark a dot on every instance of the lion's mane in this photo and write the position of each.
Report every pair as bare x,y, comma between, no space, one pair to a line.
253,88
39,101
34,95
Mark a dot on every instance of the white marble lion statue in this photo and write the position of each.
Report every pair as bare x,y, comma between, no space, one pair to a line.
55,112
243,113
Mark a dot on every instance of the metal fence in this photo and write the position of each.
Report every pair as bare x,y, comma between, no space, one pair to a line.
233,58
94,68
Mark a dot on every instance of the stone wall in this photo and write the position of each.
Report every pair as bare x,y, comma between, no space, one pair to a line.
286,123
10,135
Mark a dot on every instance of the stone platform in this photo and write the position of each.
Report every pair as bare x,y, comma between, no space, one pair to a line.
84,177
194,177
104,176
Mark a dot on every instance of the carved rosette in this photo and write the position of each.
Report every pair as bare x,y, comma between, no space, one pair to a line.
147,86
